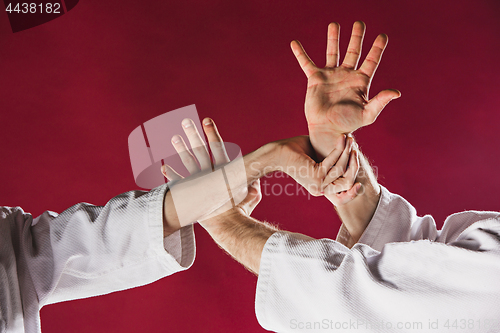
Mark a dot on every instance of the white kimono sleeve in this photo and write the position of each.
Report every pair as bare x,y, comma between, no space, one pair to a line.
84,251
396,220
308,285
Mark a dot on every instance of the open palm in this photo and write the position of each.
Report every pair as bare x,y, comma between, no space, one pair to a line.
337,96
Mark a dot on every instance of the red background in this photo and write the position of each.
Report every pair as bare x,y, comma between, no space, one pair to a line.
73,89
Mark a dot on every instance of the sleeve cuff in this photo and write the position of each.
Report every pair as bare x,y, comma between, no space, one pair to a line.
179,248
391,222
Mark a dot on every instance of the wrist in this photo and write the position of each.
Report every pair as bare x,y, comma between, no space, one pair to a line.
323,129
323,139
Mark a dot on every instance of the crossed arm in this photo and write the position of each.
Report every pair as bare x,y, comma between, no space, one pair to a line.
336,104
300,277
231,226
381,279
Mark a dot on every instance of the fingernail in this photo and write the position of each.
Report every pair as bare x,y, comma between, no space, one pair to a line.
207,122
187,123
176,139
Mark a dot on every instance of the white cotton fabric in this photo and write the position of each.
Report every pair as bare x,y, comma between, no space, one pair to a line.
404,275
84,251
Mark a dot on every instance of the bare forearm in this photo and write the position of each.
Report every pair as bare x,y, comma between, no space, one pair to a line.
242,236
357,213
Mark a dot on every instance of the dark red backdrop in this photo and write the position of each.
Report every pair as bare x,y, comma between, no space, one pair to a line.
73,89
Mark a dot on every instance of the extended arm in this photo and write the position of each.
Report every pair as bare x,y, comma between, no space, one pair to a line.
337,103
85,251
403,271
301,279
306,281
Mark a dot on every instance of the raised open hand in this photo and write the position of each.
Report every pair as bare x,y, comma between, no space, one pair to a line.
337,99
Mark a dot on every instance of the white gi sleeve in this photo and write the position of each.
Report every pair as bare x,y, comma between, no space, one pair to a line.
396,220
308,285
84,251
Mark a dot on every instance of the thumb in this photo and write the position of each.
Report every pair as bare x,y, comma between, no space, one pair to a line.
253,193
377,104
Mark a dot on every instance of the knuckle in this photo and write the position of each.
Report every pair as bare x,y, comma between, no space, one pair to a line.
200,149
216,145
188,161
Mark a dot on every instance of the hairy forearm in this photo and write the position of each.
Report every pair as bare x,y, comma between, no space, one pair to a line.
357,213
240,235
